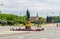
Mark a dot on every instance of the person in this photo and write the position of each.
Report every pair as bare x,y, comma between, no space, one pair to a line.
57,24
38,24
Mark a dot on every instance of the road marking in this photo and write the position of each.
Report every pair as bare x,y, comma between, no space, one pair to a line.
45,29
21,37
44,38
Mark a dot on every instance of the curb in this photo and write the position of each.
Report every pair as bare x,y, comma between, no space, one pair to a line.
12,32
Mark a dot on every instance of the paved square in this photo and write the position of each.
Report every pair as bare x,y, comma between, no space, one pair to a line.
51,32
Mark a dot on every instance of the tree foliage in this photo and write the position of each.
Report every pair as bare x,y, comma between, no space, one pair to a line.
43,20
14,18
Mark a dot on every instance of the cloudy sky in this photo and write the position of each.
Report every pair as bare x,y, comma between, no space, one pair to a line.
42,7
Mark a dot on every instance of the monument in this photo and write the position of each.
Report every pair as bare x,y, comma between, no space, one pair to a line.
27,26
27,20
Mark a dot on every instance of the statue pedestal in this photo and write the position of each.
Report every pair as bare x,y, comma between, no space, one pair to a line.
28,24
28,27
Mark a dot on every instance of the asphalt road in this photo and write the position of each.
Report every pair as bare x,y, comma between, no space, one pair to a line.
50,32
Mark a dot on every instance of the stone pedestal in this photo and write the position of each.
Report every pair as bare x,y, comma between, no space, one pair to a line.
28,24
27,27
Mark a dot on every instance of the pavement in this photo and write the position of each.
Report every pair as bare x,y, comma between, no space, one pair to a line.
50,32
11,32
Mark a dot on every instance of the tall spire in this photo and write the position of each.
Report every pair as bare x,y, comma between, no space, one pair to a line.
37,15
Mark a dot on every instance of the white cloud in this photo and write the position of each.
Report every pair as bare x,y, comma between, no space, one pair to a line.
16,5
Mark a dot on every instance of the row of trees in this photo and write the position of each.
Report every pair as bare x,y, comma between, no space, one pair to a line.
49,19
12,18
53,19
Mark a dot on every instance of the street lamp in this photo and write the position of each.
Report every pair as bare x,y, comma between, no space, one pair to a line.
58,19
20,14
0,12
1,4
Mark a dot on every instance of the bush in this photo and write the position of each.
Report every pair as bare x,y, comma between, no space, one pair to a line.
3,22
10,22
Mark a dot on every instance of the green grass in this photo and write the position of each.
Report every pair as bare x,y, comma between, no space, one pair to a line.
0,25
32,24
19,25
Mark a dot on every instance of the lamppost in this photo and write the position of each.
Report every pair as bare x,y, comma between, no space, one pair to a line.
1,4
20,14
58,19
52,18
0,12
47,18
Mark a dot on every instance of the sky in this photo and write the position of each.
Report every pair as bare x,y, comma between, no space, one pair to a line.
42,7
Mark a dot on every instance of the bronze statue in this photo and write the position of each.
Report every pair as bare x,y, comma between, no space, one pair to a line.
28,20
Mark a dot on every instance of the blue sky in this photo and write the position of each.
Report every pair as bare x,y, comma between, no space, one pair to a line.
42,7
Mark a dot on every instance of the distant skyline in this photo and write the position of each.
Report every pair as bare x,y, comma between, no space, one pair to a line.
42,7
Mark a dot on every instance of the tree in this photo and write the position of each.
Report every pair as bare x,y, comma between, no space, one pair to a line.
49,19
43,20
11,17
